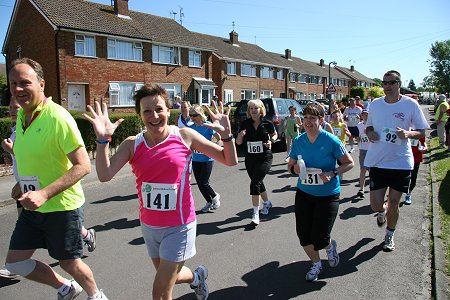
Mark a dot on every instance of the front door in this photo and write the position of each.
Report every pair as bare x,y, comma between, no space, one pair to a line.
76,97
228,96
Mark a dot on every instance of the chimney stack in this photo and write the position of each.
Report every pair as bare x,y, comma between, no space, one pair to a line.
121,7
352,68
322,62
287,53
234,37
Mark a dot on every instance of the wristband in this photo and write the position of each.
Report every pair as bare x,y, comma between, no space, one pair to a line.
102,142
228,139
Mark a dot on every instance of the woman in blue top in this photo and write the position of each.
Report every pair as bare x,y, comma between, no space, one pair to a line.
201,164
317,196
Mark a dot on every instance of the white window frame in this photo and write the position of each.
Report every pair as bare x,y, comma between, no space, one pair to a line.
244,91
280,74
80,39
302,78
195,58
174,55
292,77
231,68
262,94
134,51
248,67
266,72
115,93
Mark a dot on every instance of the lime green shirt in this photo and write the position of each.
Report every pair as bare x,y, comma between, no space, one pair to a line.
444,115
41,151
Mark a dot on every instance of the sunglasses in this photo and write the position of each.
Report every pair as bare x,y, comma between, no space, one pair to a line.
390,82
194,115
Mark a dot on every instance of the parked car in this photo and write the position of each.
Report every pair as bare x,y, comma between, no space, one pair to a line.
231,104
277,109
303,103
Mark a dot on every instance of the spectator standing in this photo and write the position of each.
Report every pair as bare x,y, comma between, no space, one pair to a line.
441,119
389,157
358,102
183,119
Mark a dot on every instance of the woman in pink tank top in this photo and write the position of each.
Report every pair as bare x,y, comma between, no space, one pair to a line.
160,157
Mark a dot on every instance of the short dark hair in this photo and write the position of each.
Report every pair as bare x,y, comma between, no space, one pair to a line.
314,110
149,90
394,73
32,63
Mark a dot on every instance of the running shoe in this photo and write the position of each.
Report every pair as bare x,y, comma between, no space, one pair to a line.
266,206
91,241
313,273
408,199
216,201
201,290
75,291
255,218
5,273
360,194
351,150
381,217
389,244
333,255
207,207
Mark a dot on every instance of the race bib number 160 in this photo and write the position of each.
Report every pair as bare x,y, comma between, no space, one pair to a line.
159,196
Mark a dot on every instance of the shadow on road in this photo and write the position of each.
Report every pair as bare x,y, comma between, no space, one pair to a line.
116,199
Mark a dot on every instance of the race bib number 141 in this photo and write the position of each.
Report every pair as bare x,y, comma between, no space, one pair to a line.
159,196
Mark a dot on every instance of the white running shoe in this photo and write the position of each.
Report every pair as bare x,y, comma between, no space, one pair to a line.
313,273
389,244
255,218
75,291
201,290
266,206
333,255
207,207
5,273
216,201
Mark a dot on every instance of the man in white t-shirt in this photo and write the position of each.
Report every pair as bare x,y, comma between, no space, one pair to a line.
389,156
352,114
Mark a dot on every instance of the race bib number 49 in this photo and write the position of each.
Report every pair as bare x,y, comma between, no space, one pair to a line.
389,135
255,147
29,183
312,177
159,196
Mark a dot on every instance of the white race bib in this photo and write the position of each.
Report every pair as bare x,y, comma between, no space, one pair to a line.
363,139
255,147
389,135
414,142
337,131
159,196
29,183
312,177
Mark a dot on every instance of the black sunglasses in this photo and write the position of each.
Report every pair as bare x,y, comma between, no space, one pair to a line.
390,82
194,115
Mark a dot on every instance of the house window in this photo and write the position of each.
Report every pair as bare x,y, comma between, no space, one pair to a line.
266,94
266,72
280,75
312,96
85,45
172,89
248,70
165,55
231,68
320,80
302,78
118,49
292,77
121,93
248,94
195,58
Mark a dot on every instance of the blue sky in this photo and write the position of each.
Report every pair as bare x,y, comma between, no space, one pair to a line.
374,36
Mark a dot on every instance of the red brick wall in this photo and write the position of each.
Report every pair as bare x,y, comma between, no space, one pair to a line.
36,38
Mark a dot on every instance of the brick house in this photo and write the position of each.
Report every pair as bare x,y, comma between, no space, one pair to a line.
356,78
92,51
245,71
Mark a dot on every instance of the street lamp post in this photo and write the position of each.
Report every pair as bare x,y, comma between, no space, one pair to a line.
329,77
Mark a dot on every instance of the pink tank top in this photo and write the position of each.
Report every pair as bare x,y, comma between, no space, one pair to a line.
162,181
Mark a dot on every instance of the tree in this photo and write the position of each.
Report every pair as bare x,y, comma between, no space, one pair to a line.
3,90
375,92
378,81
412,85
358,91
440,65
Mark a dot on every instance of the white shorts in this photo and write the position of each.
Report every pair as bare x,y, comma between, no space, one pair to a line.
173,244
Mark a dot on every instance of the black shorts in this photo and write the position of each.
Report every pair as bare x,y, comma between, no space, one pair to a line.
397,179
354,131
59,232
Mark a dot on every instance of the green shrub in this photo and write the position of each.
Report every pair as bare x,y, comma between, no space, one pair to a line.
5,132
4,111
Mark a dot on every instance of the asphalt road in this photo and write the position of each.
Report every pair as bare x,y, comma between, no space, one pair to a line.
264,263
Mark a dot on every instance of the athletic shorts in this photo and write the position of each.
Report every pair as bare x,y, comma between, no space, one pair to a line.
397,179
174,243
354,131
59,232
362,157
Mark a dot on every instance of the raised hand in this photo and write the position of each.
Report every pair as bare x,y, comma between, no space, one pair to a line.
103,127
220,121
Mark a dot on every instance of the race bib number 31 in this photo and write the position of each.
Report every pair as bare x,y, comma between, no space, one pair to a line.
312,177
389,135
159,196
29,183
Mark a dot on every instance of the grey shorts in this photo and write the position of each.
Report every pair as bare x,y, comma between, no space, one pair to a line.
173,244
362,157
59,232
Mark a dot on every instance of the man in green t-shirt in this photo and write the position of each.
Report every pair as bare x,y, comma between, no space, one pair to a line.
51,161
